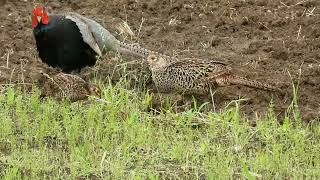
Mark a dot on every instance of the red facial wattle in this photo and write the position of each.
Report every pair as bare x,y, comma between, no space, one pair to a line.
34,21
45,18
39,11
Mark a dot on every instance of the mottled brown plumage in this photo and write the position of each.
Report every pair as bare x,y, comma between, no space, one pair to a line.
68,86
195,76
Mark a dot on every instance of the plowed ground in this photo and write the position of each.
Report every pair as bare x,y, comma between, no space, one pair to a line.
270,41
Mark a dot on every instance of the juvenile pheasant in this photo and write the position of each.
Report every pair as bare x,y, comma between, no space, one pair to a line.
195,76
68,86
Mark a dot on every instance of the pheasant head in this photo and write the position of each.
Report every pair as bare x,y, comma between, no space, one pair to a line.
39,16
156,62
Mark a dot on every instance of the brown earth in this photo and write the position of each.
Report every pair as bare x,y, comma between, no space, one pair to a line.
261,40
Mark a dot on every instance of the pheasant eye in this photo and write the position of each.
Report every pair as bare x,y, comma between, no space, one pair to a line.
153,58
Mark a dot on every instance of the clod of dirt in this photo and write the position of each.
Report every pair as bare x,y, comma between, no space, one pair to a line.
254,47
2,2
311,4
280,54
55,5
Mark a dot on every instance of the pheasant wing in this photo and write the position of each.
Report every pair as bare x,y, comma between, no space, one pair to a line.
85,30
204,70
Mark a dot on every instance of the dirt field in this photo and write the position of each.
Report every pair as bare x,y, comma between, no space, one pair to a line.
262,40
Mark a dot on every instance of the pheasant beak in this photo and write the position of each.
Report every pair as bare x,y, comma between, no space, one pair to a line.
39,19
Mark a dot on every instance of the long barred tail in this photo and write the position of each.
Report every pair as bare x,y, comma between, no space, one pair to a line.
133,49
137,50
238,80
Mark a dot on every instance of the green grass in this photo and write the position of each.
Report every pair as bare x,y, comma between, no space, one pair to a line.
121,139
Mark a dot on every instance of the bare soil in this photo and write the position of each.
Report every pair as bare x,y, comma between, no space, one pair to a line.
270,41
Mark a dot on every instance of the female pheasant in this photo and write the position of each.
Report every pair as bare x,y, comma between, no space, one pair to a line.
195,76
68,86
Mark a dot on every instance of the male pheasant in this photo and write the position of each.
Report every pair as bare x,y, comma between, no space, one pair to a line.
71,41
